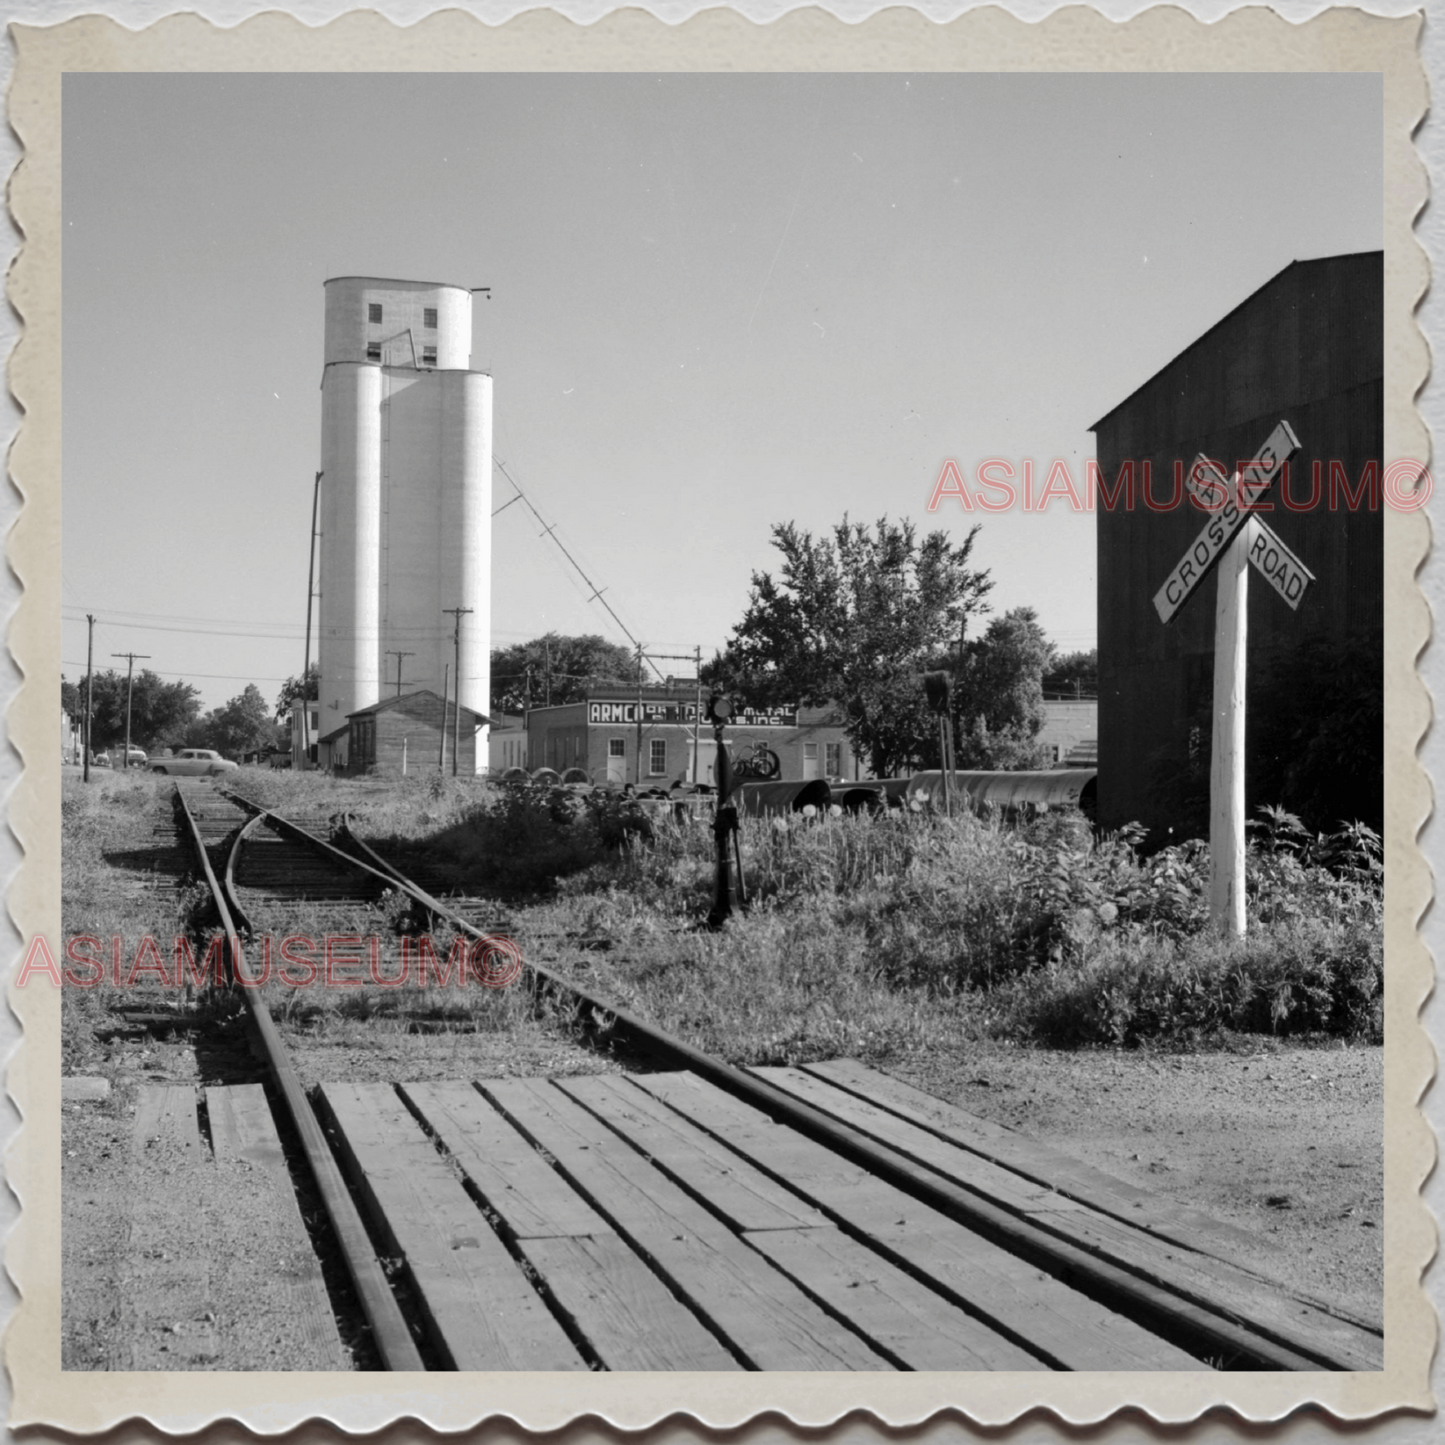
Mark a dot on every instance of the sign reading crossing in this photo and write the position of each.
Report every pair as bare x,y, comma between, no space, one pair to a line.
1254,479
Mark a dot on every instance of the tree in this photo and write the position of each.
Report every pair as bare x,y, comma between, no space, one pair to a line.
72,700
856,618
1000,697
562,669
160,712
307,686
1074,674
241,726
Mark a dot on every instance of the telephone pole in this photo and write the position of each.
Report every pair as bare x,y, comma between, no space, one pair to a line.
306,658
458,613
399,656
130,658
89,685
446,690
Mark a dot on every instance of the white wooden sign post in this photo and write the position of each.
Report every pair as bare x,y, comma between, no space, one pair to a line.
1233,540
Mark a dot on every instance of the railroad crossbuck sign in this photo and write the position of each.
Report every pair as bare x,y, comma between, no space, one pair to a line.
1289,576
1233,540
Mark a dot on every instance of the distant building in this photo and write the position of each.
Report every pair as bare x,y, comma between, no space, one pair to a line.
507,743
406,496
404,735
601,735
304,747
1306,348
1069,725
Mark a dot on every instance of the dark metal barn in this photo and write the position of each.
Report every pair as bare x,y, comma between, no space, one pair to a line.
1307,347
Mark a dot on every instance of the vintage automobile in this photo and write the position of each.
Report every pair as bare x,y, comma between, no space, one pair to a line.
193,763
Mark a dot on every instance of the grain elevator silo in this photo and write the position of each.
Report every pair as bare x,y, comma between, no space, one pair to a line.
406,496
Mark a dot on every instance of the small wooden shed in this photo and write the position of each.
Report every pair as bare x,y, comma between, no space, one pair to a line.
412,733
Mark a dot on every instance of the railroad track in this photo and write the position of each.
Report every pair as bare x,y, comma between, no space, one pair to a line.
692,1215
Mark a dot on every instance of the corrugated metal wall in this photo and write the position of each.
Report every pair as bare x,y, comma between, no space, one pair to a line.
1307,348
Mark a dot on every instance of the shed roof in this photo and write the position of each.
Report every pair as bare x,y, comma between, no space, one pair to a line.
1205,335
388,704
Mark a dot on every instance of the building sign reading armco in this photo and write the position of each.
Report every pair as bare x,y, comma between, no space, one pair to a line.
659,712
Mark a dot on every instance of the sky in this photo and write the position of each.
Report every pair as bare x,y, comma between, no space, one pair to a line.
718,303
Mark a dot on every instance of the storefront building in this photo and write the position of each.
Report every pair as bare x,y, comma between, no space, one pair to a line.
660,739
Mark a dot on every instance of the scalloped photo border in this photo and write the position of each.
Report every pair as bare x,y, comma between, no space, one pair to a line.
1075,39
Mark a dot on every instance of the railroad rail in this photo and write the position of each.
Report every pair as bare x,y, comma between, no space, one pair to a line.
697,1215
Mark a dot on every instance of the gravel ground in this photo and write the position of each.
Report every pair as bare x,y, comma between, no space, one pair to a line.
1284,1141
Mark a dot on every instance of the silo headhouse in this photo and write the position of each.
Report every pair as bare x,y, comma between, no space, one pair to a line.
406,500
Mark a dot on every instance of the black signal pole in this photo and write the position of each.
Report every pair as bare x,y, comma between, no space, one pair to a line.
725,822
130,658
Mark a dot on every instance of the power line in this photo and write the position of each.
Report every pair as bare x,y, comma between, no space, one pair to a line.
551,531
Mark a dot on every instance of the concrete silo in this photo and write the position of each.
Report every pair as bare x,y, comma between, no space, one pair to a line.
406,496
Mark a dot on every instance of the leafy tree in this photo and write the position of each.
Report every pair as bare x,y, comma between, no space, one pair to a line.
71,698
562,670
999,696
241,726
160,711
1074,674
307,686
855,618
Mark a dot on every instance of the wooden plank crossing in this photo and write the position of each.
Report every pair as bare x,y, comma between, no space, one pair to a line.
657,1222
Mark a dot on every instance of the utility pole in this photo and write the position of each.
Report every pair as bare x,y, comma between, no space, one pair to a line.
306,659
458,613
446,685
547,659
399,656
89,686
129,669
697,715
639,717
527,718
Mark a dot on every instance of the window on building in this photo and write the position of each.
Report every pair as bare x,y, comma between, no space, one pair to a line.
616,747
429,317
373,351
428,356
657,758
373,311
833,759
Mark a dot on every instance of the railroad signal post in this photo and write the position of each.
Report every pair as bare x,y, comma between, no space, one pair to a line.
725,822
1233,539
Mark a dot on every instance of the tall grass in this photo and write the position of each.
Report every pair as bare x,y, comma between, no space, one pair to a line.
870,934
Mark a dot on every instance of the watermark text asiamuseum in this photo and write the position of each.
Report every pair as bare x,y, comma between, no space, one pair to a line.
334,960
1000,485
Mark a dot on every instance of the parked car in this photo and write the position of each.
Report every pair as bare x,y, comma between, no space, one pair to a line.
133,757
193,763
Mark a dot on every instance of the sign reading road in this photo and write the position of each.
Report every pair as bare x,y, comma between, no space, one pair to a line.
1253,479
1278,565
